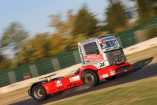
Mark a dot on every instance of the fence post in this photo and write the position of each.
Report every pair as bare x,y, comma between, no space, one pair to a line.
76,56
55,64
33,70
12,77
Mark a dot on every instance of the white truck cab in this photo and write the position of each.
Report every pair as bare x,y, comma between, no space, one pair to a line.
101,51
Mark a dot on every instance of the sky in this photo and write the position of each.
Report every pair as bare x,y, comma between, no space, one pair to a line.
34,14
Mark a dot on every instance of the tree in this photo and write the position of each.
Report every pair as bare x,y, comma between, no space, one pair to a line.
73,43
56,22
116,17
13,35
63,33
85,23
58,44
36,48
64,28
146,10
1,58
4,65
40,47
24,54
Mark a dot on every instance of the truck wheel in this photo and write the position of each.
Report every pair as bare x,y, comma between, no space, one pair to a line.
90,78
111,78
38,93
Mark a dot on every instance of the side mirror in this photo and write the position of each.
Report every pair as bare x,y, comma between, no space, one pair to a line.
97,52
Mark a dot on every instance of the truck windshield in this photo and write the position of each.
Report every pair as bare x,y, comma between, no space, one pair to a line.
110,43
114,42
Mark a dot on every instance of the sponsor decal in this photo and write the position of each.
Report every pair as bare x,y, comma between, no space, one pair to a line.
58,83
104,76
77,83
74,84
112,73
60,87
69,85
75,78
101,40
52,90
94,57
109,38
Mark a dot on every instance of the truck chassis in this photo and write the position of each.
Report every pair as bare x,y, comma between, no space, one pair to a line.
87,75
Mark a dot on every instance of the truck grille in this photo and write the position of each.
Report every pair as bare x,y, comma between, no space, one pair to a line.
117,59
117,52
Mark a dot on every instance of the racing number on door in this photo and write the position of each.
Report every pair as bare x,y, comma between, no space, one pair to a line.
101,64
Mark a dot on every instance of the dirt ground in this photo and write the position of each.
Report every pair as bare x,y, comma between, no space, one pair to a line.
148,56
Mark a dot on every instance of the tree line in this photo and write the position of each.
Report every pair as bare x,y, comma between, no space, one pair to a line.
67,33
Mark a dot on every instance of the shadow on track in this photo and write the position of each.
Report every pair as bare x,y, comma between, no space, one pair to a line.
142,63
137,66
140,71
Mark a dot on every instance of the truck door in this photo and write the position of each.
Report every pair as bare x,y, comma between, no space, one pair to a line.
92,53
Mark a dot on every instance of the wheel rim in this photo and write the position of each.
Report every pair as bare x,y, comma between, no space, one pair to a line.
38,93
89,79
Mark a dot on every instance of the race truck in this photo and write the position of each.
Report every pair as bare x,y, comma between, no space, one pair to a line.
102,58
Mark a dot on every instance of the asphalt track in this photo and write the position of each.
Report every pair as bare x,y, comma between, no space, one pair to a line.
141,71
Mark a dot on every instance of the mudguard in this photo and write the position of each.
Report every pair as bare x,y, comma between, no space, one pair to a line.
40,83
89,67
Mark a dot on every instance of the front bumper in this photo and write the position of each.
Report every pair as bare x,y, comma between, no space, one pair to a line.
109,71
123,68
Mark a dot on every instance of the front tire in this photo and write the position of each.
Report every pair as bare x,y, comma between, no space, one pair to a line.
90,78
38,93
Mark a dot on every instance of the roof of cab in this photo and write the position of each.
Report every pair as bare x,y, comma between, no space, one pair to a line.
93,38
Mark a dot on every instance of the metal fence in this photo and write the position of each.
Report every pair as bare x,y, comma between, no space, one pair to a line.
40,67
51,64
130,37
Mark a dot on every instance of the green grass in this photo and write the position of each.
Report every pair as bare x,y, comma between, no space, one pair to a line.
142,92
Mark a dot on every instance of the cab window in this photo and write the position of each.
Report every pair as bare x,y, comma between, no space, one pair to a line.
91,48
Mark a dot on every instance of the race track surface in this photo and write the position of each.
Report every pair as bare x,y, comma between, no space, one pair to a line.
139,72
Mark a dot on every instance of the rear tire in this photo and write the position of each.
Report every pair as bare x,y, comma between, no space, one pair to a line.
90,78
111,78
39,93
